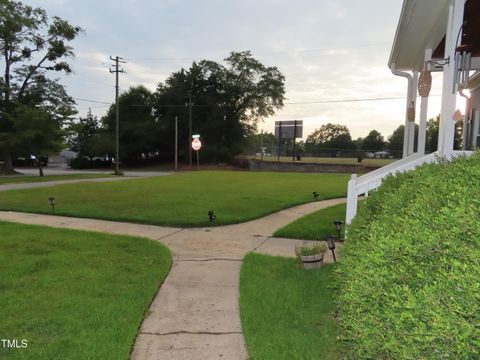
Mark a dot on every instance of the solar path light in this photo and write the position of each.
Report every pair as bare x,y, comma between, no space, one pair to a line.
211,215
338,226
53,202
331,246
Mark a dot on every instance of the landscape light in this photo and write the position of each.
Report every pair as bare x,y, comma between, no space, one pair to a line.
338,227
52,203
331,246
315,195
211,215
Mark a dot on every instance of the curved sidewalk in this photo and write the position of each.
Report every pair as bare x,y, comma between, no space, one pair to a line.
195,314
43,184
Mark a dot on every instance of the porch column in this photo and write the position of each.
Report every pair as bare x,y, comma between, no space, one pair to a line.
424,87
446,132
411,116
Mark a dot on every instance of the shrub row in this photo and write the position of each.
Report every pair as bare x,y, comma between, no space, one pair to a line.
85,163
409,282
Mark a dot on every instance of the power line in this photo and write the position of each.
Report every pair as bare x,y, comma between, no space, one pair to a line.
89,81
347,100
92,107
313,102
265,53
93,101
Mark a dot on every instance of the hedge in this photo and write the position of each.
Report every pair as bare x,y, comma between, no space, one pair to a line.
409,281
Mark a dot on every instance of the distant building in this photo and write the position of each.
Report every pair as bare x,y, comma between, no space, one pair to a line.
62,159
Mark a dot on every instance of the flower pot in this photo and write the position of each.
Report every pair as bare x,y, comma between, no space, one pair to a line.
312,261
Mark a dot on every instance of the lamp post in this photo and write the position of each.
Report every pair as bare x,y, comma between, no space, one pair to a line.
338,226
189,105
52,203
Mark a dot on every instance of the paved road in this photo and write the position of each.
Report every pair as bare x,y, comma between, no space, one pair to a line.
195,314
66,171
127,176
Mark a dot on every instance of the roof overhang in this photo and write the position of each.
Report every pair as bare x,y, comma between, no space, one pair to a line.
422,25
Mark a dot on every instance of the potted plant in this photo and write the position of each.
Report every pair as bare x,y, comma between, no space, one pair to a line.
311,255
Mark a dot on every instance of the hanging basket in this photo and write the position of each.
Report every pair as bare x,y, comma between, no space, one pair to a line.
411,114
424,83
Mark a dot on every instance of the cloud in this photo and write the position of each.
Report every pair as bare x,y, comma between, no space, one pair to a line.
328,50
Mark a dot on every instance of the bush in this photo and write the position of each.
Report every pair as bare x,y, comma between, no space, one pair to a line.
240,161
83,162
409,279
80,163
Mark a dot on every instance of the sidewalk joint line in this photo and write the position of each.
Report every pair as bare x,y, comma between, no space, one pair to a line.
172,233
209,259
182,332
263,242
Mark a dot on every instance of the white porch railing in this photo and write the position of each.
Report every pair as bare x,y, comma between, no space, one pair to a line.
358,186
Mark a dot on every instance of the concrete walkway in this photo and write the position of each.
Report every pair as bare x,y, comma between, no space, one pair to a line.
43,184
67,171
195,314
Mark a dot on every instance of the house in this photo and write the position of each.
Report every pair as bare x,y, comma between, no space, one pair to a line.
381,154
472,113
62,159
432,36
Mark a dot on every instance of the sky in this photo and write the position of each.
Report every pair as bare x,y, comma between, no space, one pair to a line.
328,50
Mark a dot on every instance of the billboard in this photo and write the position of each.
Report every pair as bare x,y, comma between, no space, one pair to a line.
289,129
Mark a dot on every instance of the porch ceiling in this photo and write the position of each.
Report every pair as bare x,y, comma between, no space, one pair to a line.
422,25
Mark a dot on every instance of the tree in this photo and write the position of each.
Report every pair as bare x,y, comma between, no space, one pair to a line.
330,136
358,143
253,143
433,125
395,141
33,108
431,141
229,100
138,130
85,134
374,141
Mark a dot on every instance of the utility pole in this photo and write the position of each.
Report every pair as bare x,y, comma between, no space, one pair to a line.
294,138
279,140
118,60
176,143
261,145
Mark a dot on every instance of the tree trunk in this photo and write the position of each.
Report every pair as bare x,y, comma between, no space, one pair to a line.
6,164
40,169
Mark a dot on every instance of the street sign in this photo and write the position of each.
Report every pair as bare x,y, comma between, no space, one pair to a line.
196,144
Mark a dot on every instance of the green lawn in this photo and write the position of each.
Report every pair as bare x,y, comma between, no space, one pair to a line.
30,179
183,199
287,312
75,295
315,226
